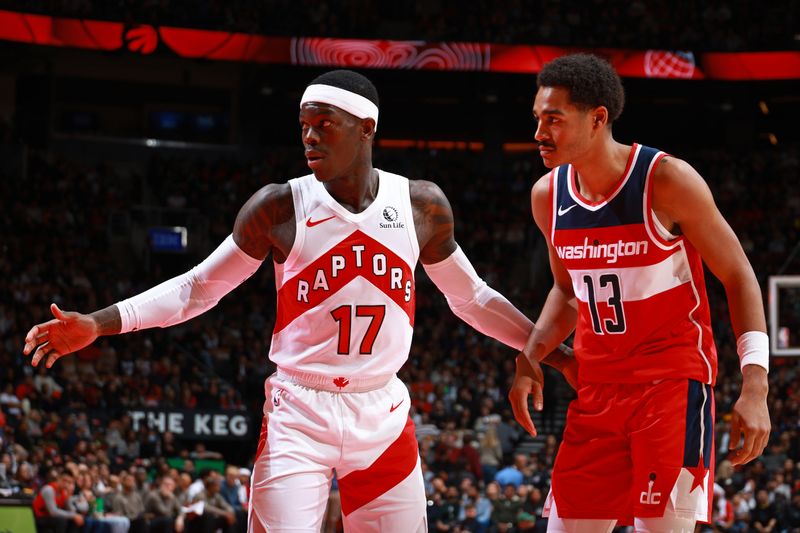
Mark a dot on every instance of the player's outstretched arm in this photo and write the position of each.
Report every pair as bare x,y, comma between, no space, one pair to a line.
681,197
173,301
468,296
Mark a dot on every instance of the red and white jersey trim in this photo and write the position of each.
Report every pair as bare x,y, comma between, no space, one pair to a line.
638,283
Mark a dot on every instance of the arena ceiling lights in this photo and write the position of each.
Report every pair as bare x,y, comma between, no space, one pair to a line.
385,54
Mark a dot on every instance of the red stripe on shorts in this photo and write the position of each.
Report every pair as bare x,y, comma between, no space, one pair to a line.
262,438
360,487
254,524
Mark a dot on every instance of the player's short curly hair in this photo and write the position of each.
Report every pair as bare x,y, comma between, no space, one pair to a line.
591,82
349,81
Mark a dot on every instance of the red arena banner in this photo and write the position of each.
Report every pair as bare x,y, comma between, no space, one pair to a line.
386,54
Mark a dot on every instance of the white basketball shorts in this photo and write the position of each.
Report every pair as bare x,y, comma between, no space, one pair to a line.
366,437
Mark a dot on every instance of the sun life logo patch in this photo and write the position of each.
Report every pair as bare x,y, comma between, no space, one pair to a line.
391,217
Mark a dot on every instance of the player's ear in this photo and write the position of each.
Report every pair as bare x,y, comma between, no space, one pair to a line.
368,128
599,116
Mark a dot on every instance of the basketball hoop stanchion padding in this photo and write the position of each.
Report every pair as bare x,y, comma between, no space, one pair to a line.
784,315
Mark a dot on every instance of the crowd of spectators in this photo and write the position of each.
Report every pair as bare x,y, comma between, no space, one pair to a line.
693,25
69,428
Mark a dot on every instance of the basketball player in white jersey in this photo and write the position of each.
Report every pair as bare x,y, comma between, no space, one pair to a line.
344,241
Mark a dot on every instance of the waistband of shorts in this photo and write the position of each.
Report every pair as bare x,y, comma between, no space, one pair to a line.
334,383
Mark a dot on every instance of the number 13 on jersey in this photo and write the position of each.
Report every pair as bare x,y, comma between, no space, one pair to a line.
612,288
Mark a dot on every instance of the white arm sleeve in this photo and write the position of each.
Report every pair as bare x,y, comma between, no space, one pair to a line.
477,304
190,294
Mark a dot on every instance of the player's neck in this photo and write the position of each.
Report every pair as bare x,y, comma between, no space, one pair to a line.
599,171
356,190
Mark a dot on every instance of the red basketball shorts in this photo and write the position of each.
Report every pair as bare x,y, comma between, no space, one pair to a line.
637,450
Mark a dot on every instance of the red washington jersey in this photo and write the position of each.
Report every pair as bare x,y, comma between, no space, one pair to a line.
346,290
643,313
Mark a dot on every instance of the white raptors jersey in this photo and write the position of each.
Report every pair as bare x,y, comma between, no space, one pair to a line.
346,290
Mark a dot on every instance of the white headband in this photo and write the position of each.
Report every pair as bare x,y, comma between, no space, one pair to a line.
353,103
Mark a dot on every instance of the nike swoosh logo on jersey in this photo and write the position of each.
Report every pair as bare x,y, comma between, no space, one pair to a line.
393,407
311,223
562,211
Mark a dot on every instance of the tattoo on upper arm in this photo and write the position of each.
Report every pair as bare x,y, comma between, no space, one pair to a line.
438,215
434,221
251,227
257,218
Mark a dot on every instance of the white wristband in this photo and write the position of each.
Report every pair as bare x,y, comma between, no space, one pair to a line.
753,349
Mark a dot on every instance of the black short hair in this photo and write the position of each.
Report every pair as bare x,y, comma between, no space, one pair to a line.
591,82
349,81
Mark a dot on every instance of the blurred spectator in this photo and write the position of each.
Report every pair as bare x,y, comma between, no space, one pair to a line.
217,513
763,517
506,509
470,521
128,502
512,474
440,516
52,508
231,492
162,509
491,452
472,498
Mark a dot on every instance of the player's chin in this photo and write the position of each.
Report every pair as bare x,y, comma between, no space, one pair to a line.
321,173
548,159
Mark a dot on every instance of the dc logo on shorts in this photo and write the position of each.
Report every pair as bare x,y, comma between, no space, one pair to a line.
650,497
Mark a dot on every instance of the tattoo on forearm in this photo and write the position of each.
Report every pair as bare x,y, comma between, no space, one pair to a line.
108,320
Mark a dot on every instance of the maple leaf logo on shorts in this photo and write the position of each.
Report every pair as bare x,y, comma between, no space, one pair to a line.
341,382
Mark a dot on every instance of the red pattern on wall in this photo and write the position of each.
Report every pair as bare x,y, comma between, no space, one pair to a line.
362,53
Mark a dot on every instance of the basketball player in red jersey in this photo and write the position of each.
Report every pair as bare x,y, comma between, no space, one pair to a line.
345,240
627,229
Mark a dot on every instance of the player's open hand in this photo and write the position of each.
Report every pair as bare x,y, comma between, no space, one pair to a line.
66,333
750,424
528,380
